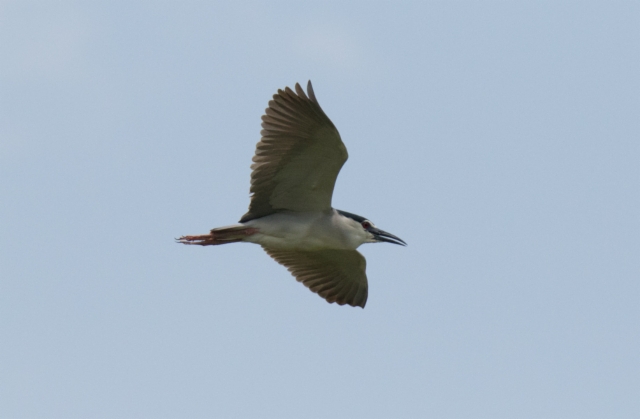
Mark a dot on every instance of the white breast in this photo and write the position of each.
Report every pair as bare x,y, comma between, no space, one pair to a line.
307,231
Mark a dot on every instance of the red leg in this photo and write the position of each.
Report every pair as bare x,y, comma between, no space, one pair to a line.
219,236
203,240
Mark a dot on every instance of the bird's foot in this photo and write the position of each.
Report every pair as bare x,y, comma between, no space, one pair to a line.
203,240
221,235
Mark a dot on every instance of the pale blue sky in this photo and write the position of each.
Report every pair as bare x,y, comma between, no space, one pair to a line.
499,139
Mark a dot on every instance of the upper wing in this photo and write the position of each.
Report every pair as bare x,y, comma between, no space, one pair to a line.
298,158
338,276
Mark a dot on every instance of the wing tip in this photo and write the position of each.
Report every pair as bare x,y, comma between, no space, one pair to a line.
311,93
361,305
299,91
351,303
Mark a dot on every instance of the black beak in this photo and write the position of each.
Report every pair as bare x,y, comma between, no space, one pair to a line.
383,236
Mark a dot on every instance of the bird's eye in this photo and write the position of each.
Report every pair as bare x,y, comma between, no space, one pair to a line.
366,224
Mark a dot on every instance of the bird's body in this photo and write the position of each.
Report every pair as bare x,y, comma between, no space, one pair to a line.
307,231
295,168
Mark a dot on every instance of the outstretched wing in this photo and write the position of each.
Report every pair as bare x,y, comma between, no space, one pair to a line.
338,276
298,158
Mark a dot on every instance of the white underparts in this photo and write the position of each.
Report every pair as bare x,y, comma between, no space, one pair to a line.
307,231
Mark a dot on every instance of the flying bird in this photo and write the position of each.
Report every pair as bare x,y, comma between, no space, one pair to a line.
290,215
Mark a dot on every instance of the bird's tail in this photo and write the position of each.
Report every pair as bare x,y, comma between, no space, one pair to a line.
221,235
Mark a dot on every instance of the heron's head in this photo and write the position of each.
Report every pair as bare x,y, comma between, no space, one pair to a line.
375,235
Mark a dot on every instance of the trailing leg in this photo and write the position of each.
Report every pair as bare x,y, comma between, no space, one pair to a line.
221,235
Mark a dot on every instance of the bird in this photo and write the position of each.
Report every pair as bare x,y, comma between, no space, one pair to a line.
294,171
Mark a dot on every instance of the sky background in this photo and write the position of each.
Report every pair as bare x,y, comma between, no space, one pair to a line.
499,139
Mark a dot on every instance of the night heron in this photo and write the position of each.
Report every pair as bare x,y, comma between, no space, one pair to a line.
290,215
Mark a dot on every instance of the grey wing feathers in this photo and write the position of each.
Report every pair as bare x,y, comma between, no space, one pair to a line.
338,276
298,158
